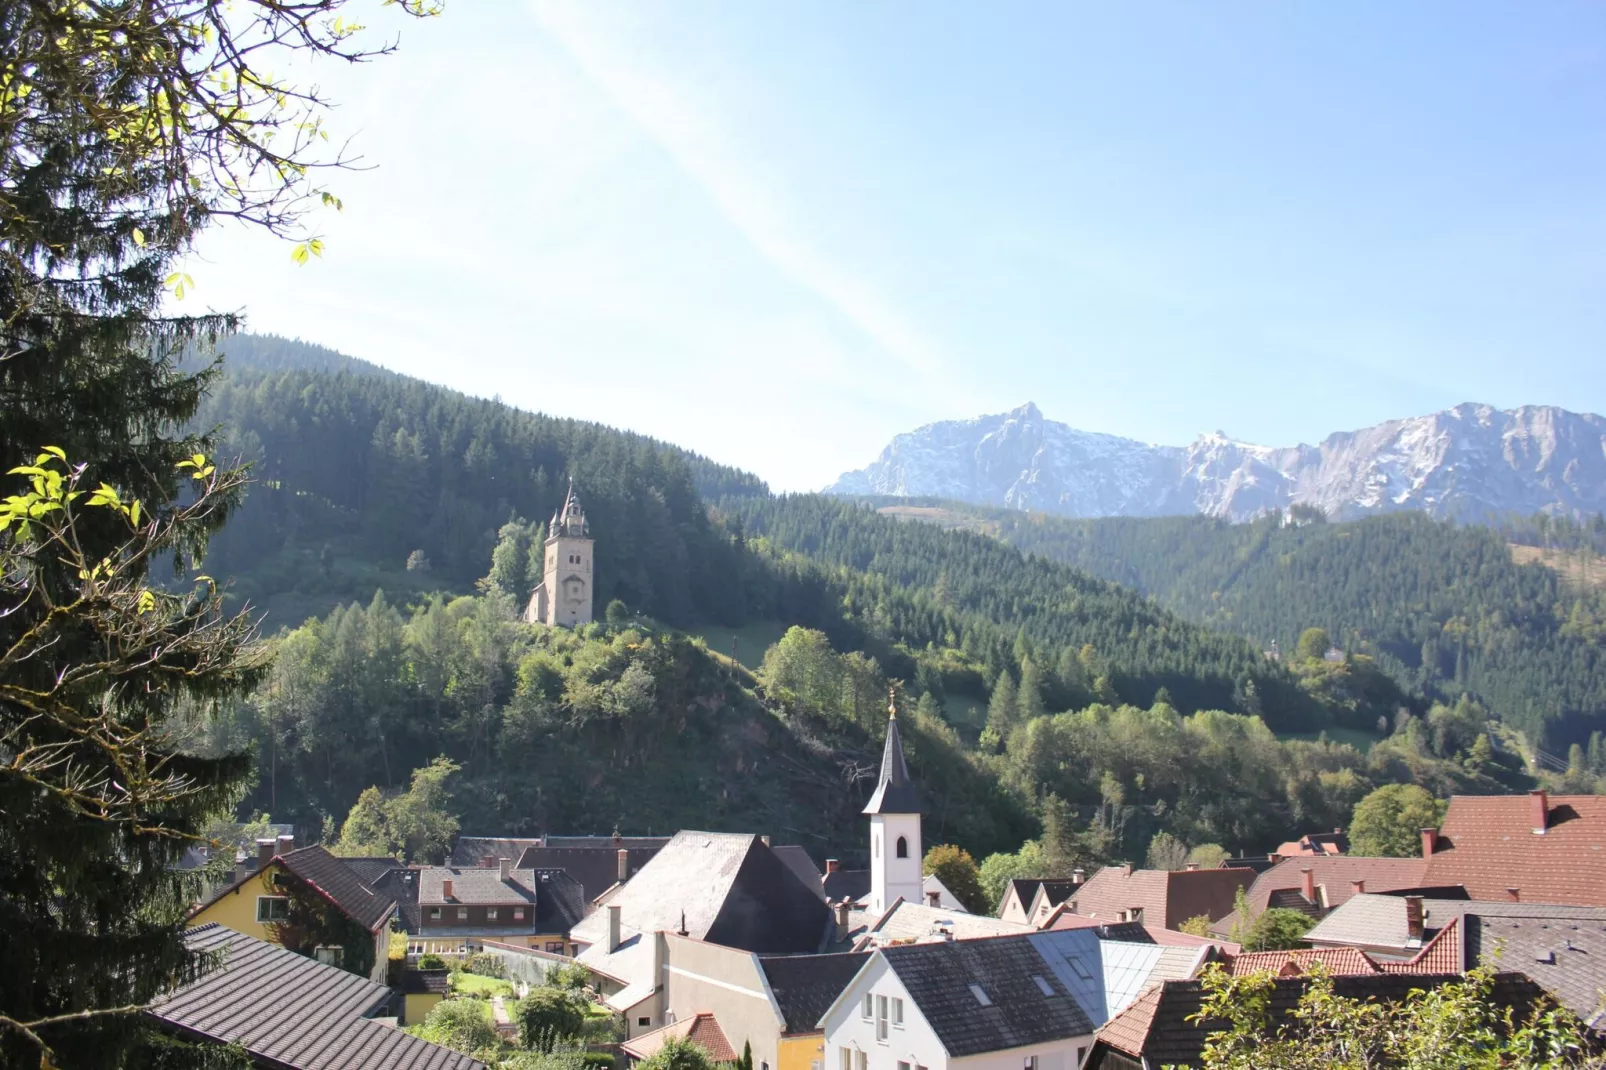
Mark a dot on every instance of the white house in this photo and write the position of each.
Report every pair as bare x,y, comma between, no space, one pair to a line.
1018,1002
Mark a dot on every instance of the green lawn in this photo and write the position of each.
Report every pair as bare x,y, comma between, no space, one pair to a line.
751,639
473,984
1361,741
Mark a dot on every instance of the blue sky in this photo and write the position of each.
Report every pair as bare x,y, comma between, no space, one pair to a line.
780,233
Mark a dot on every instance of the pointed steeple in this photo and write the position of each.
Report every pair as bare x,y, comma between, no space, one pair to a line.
895,793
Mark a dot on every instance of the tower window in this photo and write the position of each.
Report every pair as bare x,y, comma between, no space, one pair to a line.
903,847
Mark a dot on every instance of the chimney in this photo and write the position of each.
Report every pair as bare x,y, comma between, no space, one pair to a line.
1515,894
286,844
1413,917
934,899
265,851
1540,803
832,865
1192,866
844,923
624,865
1308,877
504,868
1430,842
446,888
1126,869
487,861
1358,887
613,927
1078,877
1274,858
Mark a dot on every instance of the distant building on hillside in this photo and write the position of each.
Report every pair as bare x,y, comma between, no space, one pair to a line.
565,593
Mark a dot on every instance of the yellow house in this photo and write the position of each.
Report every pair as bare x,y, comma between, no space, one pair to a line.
258,904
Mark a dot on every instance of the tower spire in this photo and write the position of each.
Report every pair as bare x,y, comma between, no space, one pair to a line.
895,792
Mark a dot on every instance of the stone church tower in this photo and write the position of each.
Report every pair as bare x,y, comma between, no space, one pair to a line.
565,592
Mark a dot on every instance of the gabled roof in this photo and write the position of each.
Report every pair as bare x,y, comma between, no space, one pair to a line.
371,870
1336,961
850,884
941,979
726,888
426,982
291,1011
1380,921
629,843
1487,843
595,867
1054,891
1167,897
894,792
798,861
702,1029
1159,1028
339,884
1316,843
805,986
1023,888
475,886
916,921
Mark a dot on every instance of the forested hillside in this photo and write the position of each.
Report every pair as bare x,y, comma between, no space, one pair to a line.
367,479
1443,608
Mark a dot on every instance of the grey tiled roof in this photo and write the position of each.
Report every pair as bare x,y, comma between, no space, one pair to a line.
850,884
560,902
805,986
474,850
475,886
339,883
1379,920
894,792
939,976
291,1011
630,843
1566,956
371,870
798,861
914,921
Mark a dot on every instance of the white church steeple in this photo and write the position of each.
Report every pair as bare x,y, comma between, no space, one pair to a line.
894,809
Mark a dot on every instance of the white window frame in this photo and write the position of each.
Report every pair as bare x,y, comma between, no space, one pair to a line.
490,913
1031,1063
846,1060
434,913
867,1008
861,1059
881,1019
897,1012
462,913
268,899
518,913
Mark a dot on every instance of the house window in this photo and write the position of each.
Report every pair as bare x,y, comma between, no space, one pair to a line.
881,1019
903,847
1042,985
868,1010
643,1021
434,913
1081,1053
518,913
554,947
897,1012
981,996
273,908
490,913
861,1060
1031,1062
462,913
847,1059
902,1065
329,956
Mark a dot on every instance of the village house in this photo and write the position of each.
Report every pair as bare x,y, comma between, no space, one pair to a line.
259,903
1021,894
291,1012
1164,898
1315,843
457,908
1315,885
1535,848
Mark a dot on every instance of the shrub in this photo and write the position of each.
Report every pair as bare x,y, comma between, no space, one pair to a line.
486,964
460,1024
431,962
548,1016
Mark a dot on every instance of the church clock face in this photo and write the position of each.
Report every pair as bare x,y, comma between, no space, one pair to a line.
574,588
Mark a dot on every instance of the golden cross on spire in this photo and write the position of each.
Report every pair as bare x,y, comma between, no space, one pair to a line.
892,702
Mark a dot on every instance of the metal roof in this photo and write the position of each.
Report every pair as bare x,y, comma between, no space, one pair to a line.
894,793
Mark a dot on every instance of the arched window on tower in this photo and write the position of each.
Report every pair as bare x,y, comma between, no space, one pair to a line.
903,847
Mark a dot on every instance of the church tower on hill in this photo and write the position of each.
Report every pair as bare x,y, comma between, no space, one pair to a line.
565,593
894,809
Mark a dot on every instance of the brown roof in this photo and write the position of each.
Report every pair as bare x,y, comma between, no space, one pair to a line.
1336,961
291,1011
596,868
473,886
702,1029
1487,844
331,878
1167,897
1442,954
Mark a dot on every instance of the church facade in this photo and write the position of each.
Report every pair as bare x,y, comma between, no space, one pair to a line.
566,591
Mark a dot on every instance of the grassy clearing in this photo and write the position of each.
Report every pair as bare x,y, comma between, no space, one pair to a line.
751,639
1580,569
474,984
1361,741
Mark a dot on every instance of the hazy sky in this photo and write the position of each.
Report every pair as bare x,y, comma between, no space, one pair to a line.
779,233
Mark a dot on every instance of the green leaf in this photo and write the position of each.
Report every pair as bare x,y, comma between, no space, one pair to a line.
139,237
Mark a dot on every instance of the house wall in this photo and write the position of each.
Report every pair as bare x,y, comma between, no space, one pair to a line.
945,899
478,916
728,983
237,908
804,1051
1012,909
916,1042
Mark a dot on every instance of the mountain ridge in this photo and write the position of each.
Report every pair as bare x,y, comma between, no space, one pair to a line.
1469,462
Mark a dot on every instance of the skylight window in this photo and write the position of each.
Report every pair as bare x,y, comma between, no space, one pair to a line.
1081,969
1043,986
981,997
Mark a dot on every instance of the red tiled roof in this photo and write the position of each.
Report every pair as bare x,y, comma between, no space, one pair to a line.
1337,961
1442,954
1337,874
702,1029
1487,844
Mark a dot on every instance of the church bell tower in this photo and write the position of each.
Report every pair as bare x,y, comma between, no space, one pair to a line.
565,593
895,849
